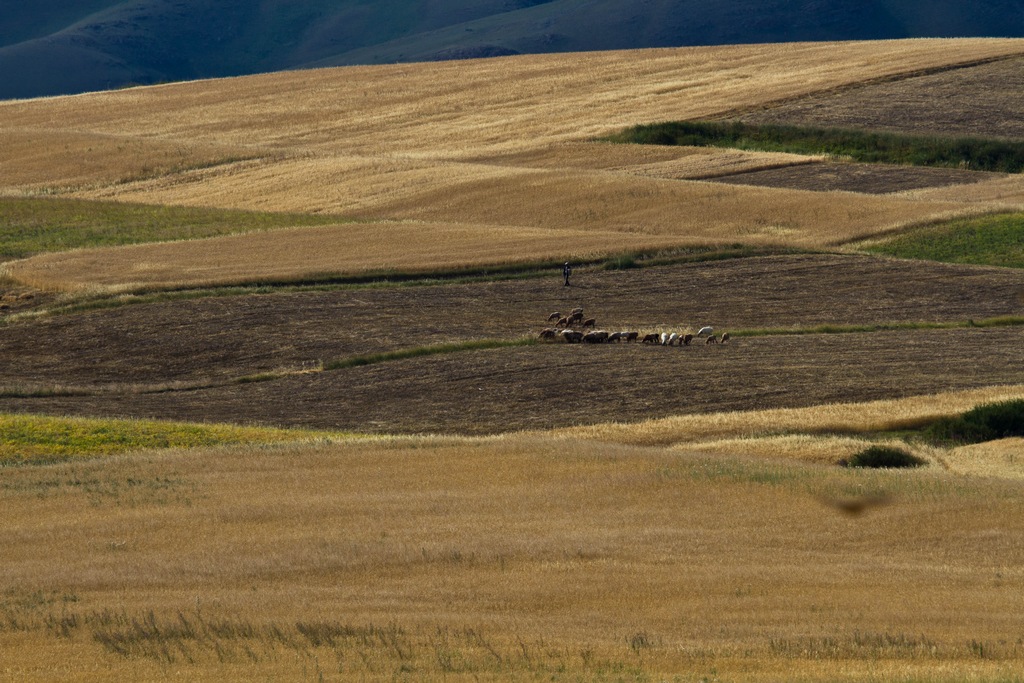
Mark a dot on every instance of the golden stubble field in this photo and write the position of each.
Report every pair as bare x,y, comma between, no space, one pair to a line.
481,144
515,558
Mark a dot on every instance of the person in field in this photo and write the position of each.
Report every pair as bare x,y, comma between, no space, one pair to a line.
566,272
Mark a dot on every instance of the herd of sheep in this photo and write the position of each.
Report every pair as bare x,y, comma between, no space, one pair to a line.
564,329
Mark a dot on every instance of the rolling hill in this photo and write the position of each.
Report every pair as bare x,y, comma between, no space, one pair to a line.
102,44
371,250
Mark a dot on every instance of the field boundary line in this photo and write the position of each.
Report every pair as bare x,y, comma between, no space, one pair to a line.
878,80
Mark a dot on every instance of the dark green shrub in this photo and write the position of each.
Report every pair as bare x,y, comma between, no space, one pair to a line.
984,423
884,456
957,430
1004,419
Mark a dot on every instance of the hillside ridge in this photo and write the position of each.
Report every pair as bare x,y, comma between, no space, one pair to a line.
104,44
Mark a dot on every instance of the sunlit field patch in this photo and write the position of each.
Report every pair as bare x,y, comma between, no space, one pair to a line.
996,240
31,438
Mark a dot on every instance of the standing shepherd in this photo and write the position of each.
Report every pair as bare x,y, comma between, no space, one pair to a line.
566,272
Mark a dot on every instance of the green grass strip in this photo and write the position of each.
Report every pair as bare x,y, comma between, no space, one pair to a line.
33,439
46,224
995,240
978,154
432,350
1001,321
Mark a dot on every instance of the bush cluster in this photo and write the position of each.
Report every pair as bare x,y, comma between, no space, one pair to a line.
984,423
884,456
979,154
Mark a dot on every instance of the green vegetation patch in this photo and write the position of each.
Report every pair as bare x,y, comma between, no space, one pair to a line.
884,457
977,154
986,422
35,439
34,225
996,240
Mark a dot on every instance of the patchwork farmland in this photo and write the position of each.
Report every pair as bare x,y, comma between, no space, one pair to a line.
371,252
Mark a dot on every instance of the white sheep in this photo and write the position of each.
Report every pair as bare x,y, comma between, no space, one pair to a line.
707,329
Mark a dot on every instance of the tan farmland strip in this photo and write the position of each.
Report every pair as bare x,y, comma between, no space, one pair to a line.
34,158
298,253
691,211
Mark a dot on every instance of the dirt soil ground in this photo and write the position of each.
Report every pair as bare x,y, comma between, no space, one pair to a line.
977,101
854,177
217,339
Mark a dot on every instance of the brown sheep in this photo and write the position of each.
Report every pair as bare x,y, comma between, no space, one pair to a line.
589,322
712,340
595,337
725,337
554,316
577,310
548,333
616,337
572,336
652,338
576,317
630,336
687,339
562,322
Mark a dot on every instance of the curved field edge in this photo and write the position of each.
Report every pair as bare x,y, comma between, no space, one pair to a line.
819,434
993,240
866,418
542,226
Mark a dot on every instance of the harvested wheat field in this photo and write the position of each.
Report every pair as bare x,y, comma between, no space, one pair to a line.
479,504
511,559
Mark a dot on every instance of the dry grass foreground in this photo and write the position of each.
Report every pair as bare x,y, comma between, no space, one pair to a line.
478,143
515,558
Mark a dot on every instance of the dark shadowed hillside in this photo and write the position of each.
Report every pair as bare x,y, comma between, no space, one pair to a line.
72,46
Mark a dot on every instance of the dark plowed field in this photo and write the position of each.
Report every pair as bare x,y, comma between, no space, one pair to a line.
217,339
978,101
555,385
852,177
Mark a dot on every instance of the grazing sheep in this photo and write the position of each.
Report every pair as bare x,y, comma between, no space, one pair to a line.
554,316
572,336
595,337
673,338
548,333
577,310
687,339
576,317
652,338
562,322
630,336
663,338
712,340
705,330
725,337
616,337
589,322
